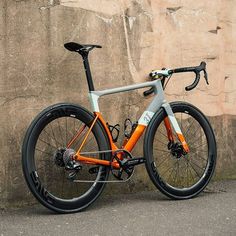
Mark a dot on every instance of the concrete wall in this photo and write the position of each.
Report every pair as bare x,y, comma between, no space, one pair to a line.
136,36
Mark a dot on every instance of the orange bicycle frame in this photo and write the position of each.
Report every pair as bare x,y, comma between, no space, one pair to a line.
94,161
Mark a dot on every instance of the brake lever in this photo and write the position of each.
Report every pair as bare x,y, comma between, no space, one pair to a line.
148,92
205,76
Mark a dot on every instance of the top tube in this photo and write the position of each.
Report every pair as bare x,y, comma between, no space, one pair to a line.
100,93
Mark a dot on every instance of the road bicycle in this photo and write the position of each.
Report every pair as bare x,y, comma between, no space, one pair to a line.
68,152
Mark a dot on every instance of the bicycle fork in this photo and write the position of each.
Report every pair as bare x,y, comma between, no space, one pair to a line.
171,122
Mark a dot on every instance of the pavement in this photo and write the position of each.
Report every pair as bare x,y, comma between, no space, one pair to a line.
148,213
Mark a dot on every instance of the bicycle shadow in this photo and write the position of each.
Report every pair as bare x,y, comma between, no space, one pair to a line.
136,198
109,202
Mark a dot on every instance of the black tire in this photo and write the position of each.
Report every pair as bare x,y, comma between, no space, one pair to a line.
50,130
186,176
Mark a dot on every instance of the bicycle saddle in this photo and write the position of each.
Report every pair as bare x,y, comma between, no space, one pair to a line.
75,47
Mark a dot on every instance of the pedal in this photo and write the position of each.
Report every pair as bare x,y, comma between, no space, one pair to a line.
94,170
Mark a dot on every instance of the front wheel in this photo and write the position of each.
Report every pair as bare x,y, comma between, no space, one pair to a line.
175,173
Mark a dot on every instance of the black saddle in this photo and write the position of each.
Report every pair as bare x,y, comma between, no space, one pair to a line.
80,48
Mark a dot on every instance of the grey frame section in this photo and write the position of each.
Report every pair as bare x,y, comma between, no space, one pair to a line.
154,106
157,102
126,88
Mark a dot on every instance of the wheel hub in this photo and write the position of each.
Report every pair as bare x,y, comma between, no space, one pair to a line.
64,157
176,149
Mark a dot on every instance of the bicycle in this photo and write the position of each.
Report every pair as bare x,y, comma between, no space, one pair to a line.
69,142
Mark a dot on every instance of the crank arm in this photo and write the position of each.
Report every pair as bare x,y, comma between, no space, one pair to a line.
133,162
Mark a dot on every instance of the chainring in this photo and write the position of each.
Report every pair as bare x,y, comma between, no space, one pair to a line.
123,173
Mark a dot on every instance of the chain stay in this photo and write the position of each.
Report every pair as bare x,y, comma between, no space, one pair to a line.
104,181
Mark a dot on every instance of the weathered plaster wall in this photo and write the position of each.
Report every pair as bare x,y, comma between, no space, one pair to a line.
136,36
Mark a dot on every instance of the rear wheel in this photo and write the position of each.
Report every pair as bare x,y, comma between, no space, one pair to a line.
175,173
44,158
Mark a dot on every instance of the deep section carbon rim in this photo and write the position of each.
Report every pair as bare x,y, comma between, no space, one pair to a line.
44,168
175,173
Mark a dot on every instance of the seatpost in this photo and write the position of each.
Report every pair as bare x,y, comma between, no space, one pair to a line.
84,55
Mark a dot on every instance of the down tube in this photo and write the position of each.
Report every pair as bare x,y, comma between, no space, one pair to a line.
135,137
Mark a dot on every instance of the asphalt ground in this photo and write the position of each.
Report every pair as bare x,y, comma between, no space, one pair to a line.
148,213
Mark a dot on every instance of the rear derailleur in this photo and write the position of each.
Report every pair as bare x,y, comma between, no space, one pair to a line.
63,157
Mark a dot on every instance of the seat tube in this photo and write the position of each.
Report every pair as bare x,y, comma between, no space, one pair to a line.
87,71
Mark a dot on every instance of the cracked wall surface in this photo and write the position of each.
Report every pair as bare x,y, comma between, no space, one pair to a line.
137,36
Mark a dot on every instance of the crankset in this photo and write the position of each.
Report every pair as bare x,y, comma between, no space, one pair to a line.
125,171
